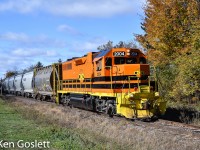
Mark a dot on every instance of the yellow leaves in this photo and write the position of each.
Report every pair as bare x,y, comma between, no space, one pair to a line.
172,38
169,27
157,58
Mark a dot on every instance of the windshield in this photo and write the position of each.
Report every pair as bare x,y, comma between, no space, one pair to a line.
133,60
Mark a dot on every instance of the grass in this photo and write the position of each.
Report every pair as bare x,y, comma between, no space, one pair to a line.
14,127
77,129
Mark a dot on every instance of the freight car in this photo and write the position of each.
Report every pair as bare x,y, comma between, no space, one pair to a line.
5,85
115,81
45,80
20,84
27,84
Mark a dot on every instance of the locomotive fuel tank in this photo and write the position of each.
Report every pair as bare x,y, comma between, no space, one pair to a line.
83,101
27,84
44,81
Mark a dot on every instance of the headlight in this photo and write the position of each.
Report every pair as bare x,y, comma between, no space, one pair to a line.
131,95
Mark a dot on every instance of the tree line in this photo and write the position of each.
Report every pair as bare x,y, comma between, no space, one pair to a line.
172,41
10,73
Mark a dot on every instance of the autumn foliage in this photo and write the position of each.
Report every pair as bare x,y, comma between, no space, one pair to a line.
172,40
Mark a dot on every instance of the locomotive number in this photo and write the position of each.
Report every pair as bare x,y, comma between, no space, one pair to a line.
117,54
134,53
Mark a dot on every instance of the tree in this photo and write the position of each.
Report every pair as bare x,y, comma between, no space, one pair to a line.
172,41
108,45
10,73
121,44
38,65
59,60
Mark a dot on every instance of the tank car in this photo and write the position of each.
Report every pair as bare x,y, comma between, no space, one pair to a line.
115,81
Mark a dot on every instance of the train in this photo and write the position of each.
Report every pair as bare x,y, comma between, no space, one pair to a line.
114,81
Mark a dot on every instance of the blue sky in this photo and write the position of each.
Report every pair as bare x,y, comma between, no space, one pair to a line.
46,30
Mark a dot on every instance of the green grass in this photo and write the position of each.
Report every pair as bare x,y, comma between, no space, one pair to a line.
14,127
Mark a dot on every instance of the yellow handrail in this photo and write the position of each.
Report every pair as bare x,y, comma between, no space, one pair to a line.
129,84
110,75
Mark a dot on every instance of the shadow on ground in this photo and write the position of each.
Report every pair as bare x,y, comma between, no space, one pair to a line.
181,115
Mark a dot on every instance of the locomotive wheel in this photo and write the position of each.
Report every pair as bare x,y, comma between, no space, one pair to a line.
38,97
42,98
35,96
53,100
110,110
27,95
65,100
70,105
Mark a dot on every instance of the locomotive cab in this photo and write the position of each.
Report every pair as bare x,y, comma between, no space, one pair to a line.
116,67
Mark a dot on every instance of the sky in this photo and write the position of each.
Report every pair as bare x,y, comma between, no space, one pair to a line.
49,30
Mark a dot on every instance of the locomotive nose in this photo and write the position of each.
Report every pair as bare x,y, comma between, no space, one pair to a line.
138,70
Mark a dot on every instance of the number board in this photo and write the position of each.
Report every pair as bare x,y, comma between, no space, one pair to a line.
134,53
118,54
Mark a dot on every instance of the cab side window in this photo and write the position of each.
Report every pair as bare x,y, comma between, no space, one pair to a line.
119,60
143,60
131,61
108,61
99,65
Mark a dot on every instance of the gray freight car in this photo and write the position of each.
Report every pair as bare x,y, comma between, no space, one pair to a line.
27,84
18,84
6,85
43,83
11,85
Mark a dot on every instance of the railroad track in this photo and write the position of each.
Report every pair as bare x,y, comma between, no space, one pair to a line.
175,128
194,128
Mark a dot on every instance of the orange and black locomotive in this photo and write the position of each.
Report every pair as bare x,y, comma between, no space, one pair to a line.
115,81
